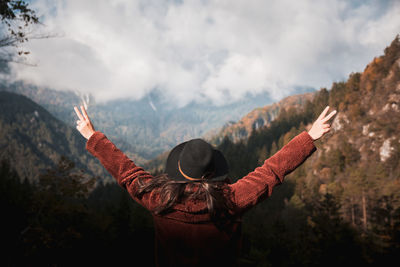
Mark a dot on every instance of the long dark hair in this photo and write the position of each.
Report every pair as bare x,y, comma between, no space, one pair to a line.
215,194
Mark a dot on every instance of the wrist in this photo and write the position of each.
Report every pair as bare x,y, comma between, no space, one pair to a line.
312,136
89,135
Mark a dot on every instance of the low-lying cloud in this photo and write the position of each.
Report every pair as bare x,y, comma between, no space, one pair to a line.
205,49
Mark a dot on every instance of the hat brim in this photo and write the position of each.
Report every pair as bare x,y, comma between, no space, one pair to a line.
172,169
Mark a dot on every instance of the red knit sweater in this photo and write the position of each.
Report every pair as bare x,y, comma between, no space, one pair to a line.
186,236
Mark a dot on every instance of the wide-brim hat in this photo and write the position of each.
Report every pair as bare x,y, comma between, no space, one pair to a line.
196,160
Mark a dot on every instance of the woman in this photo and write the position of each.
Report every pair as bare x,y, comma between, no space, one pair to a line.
196,210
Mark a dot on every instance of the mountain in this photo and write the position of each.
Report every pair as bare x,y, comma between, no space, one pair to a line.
368,120
33,140
257,119
154,126
369,117
365,131
143,128
241,130
60,104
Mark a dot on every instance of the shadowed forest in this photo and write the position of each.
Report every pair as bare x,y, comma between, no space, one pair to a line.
342,206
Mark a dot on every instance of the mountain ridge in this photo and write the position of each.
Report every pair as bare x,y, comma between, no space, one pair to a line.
144,127
258,118
33,140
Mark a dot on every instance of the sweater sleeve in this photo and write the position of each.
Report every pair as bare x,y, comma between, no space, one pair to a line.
116,162
258,184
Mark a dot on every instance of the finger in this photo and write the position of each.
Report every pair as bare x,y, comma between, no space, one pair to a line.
322,115
324,126
84,113
327,129
79,114
327,118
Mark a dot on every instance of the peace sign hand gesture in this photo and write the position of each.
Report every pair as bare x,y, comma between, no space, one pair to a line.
320,126
84,125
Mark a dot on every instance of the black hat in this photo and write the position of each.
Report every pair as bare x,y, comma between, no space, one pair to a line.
196,160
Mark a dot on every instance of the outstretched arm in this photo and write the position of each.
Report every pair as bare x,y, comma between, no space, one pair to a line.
258,184
123,169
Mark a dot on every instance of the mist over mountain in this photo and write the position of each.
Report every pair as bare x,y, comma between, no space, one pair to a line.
368,105
142,128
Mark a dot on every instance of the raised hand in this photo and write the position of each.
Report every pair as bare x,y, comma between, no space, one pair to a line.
84,125
320,126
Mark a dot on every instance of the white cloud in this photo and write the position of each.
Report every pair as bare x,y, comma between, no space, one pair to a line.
218,50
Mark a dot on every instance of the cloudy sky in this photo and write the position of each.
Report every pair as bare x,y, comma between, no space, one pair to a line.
205,49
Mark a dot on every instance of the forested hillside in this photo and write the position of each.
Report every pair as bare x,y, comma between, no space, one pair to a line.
257,118
60,105
32,140
343,203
